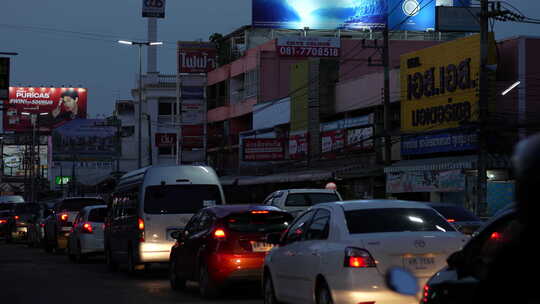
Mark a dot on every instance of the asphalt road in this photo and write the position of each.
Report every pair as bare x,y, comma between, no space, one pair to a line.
31,276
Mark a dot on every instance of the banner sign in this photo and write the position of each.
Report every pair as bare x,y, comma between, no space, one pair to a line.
410,15
332,141
425,181
297,46
153,8
17,159
263,149
89,139
192,92
439,143
165,140
347,123
51,107
440,85
192,137
360,139
192,112
298,145
196,57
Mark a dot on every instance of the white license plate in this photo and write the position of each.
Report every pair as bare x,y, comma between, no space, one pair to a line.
260,246
66,228
418,262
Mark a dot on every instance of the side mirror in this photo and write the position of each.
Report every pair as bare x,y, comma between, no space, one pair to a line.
274,238
178,235
402,281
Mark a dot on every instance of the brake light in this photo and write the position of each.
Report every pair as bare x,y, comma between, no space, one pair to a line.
64,217
260,212
496,236
16,217
451,220
358,258
3,221
219,234
425,295
140,226
87,228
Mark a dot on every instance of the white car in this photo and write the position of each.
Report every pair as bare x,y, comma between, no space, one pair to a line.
295,201
339,252
86,237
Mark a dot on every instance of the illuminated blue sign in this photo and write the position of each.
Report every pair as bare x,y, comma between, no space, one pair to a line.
411,15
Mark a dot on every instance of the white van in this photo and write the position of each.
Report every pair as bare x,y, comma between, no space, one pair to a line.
151,203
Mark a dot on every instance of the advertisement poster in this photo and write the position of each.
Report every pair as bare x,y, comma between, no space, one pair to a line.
297,46
360,139
17,157
85,139
439,143
263,149
52,107
298,145
332,141
196,57
425,181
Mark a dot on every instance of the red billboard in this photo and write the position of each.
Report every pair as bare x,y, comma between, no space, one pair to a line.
260,149
51,107
165,139
196,57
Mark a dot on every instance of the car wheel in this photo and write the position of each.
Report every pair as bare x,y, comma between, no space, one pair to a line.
323,294
111,265
207,288
269,292
176,282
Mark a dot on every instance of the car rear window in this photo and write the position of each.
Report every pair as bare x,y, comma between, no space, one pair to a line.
97,215
180,199
76,204
395,220
309,199
456,213
258,222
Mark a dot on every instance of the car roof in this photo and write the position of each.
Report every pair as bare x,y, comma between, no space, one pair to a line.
309,191
226,210
376,204
95,207
433,205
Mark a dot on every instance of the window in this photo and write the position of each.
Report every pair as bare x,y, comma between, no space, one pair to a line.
192,226
166,108
97,215
395,220
259,222
180,199
171,150
309,199
320,226
297,230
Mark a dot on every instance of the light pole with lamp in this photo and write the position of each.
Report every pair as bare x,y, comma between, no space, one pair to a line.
140,45
34,118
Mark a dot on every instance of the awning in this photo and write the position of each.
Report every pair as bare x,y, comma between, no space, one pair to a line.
469,162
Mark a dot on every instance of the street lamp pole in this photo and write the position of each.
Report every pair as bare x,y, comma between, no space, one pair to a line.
140,45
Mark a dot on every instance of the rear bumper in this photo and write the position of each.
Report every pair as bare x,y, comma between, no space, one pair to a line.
155,252
226,268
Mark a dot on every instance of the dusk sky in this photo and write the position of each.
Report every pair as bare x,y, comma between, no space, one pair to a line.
52,38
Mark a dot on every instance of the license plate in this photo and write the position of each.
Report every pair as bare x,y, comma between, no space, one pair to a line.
260,246
418,262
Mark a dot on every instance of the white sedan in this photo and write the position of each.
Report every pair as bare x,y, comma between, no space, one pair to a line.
86,237
339,252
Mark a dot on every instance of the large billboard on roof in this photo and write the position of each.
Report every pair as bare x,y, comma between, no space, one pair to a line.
411,15
51,107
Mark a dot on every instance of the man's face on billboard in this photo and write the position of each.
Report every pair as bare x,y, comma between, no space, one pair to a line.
69,102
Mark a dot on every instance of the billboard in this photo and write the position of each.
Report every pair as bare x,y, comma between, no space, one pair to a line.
425,181
463,140
298,144
410,15
297,46
85,139
440,85
53,107
196,57
153,8
261,149
17,159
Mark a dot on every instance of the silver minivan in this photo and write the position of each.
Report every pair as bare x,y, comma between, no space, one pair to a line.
151,203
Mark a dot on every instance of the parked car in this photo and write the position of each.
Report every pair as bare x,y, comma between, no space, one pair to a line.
36,232
295,201
457,281
24,215
223,245
464,220
58,224
86,237
339,252
151,203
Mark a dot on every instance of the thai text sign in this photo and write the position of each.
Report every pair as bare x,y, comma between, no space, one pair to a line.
438,143
425,181
257,149
196,57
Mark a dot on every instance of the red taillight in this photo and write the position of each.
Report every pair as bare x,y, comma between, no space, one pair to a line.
451,220
358,258
496,236
140,226
16,217
3,221
64,217
260,212
425,295
87,228
219,234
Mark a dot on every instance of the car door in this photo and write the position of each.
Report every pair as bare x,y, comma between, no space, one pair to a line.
185,256
309,254
74,235
284,259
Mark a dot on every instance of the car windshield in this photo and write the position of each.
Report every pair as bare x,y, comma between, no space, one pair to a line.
309,199
97,215
180,199
456,213
76,204
11,199
395,220
258,221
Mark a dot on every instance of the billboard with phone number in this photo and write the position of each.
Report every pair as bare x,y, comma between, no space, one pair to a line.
294,46
50,107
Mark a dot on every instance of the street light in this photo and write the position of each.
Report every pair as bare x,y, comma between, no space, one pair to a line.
140,45
510,88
